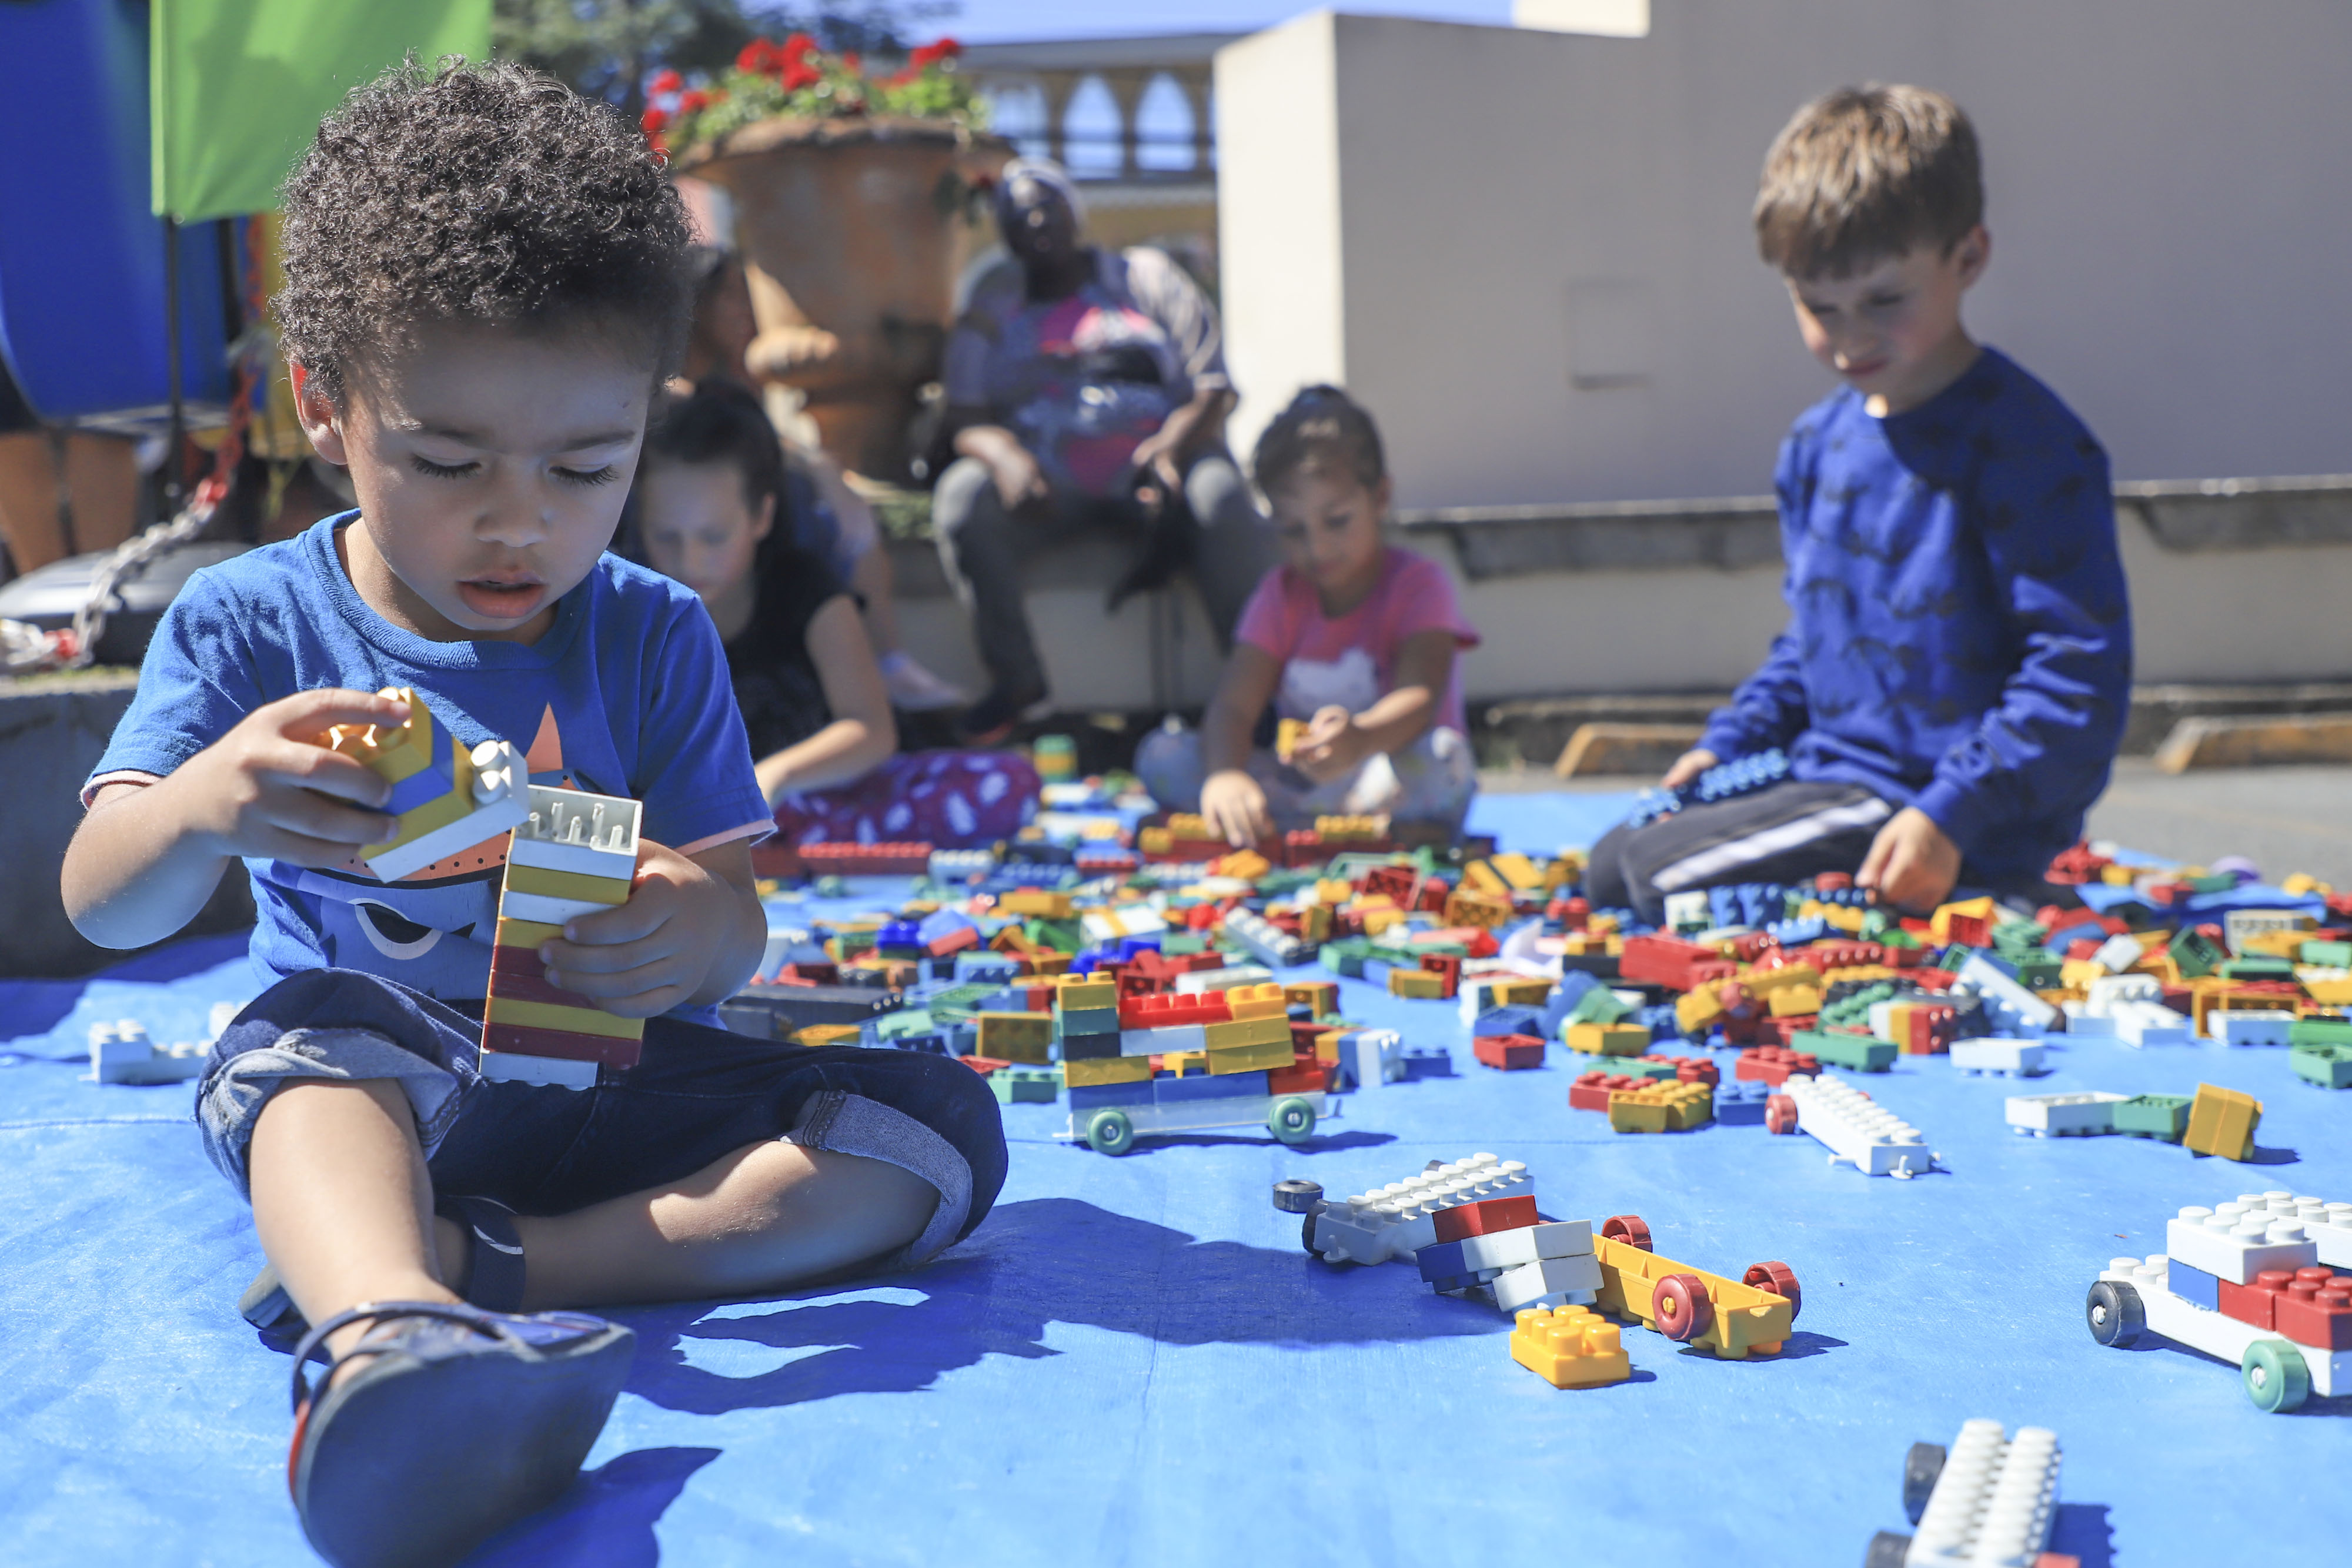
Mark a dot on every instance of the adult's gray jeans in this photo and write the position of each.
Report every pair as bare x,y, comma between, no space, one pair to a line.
983,545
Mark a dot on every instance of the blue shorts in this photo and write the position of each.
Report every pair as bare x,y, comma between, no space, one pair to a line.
695,1095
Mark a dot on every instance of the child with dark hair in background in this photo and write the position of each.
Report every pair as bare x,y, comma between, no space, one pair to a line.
712,491
1957,670
1350,637
486,386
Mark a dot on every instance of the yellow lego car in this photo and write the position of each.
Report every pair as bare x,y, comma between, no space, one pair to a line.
1733,1318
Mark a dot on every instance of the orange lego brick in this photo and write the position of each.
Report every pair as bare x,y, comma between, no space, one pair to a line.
1574,1347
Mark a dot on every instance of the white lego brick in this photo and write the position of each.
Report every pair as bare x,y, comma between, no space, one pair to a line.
1993,1055
2105,992
959,865
2237,924
2149,1023
1993,1503
1201,981
1498,1251
2216,1335
514,905
122,1052
1397,1220
1563,1237
1162,1042
1689,911
2084,1024
1268,942
517,1067
1556,1280
1375,1056
500,803
574,831
2118,953
2249,1026
2236,1242
1125,920
2005,1000
2062,1115
2329,1225
1856,1130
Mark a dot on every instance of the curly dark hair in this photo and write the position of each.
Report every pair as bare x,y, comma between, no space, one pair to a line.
1322,428
477,192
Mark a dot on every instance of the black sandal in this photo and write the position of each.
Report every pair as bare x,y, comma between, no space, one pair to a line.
494,1269
463,1422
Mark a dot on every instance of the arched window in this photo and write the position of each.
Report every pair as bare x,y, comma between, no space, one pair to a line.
1164,126
1017,113
1092,127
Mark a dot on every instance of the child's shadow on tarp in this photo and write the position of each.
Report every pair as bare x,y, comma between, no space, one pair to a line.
1053,1259
2081,1529
606,1519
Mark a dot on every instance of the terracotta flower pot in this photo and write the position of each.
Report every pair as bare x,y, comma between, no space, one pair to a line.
852,234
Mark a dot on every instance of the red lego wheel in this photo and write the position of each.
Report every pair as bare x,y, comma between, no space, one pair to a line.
1628,1228
1682,1307
1781,1280
1779,1114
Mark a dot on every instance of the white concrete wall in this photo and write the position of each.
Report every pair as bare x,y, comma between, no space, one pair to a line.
1536,246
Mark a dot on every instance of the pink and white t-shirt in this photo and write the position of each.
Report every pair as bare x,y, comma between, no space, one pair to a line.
1351,660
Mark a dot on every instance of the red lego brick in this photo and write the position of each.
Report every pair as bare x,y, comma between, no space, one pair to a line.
1481,945
1968,930
1447,967
1590,1091
1433,896
523,1041
984,1065
2316,1310
1303,1076
1773,1064
1661,960
1509,1051
954,941
1172,1012
1391,881
1689,1069
1832,881
1486,1217
1571,913
866,860
1776,1031
2256,1303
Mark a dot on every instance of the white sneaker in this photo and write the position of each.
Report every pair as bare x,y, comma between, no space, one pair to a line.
914,688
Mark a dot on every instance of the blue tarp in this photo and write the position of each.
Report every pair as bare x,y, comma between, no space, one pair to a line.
1132,1362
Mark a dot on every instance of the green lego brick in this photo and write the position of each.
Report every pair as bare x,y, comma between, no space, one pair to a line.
907,1020
2319,1032
2039,974
2329,1066
1345,956
1599,1005
2258,966
1860,1052
1025,1086
2164,1116
2196,954
2219,882
1895,936
1069,1021
1182,943
2334,954
1062,936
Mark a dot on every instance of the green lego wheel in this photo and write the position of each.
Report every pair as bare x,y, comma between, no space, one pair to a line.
2276,1377
1110,1132
1292,1119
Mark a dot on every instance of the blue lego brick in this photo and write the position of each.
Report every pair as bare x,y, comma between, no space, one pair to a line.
1573,984
984,967
1796,932
1128,946
1207,1086
1659,1020
1442,1261
1427,1062
1094,1096
1089,1047
1740,1104
1511,1020
942,923
428,783
2194,1286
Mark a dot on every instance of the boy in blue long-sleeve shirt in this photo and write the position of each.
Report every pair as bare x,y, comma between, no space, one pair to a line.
1956,673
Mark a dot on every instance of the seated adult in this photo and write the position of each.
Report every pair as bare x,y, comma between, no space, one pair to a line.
709,489
1086,389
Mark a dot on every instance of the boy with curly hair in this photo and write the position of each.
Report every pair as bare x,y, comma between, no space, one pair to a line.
1957,670
486,279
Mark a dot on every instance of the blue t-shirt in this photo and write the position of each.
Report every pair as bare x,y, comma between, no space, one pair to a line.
1959,633
626,694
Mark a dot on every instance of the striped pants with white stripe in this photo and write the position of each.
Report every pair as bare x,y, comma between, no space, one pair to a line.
1783,834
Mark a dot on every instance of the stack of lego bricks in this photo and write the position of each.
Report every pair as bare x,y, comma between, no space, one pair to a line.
574,855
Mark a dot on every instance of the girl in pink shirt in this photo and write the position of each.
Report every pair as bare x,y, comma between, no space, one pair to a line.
1351,638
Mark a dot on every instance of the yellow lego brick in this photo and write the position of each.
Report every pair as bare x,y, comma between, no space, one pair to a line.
1106,1069
1333,890
1559,873
1318,997
1697,1008
1529,992
1422,983
1763,982
1747,1320
817,1034
549,1015
528,934
1794,1002
1518,872
1271,1030
2222,1122
1261,1001
1153,841
1480,877
2116,876
1030,901
393,752
1190,825
1939,925
567,885
1608,1039
1006,1027
2275,944
1315,923
2332,993
1666,1108
455,806
1288,734
1352,830
2302,881
1073,992
1379,920
1467,908
2076,973
1251,1057
1327,1047
1180,1062
1247,864
1574,1347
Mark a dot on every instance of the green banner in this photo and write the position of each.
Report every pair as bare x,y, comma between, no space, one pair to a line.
239,87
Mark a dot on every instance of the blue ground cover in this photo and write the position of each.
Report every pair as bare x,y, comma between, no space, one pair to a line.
1133,1362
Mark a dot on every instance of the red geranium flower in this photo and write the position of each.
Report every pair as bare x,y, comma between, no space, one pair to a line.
800,74
851,63
946,49
693,102
758,57
652,121
798,45
665,81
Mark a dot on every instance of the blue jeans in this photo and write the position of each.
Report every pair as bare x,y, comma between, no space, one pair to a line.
695,1095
